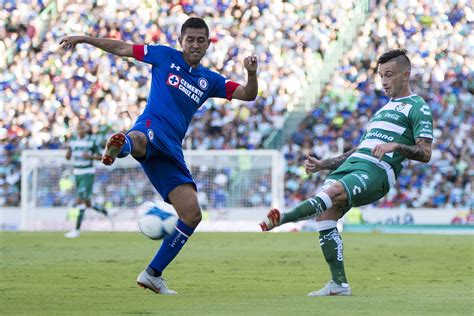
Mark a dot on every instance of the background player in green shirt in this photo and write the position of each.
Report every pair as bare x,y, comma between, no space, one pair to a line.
82,150
400,130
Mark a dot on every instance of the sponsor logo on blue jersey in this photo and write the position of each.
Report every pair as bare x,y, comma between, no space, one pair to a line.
187,88
175,67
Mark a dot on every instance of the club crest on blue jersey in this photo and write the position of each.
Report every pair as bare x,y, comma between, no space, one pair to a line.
173,80
185,87
203,84
151,135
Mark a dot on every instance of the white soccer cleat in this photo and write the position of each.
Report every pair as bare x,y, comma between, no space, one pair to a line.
273,220
333,289
156,284
72,234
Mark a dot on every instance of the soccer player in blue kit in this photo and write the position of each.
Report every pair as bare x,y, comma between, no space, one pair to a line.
179,86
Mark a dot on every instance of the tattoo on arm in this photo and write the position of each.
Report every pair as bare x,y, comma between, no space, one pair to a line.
334,163
421,151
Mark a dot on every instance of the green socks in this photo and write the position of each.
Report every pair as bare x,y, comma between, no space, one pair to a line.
309,208
82,210
79,218
329,238
100,209
331,245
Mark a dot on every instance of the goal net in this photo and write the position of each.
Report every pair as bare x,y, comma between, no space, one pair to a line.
235,190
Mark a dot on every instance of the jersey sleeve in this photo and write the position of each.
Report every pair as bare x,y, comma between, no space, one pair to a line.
422,121
222,87
150,54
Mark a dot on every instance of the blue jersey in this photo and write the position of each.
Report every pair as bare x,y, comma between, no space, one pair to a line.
177,90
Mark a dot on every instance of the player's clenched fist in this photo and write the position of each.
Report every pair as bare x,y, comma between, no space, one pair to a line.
251,64
70,41
311,165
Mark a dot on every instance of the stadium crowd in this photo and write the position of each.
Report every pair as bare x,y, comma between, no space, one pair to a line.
45,92
439,41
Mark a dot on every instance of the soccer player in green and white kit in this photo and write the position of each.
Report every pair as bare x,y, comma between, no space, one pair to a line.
400,130
83,150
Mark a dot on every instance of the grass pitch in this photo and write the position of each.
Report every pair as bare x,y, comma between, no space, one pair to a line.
235,274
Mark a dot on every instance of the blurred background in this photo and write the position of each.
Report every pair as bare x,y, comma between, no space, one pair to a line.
318,88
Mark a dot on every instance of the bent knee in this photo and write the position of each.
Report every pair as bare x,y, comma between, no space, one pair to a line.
192,219
197,218
338,194
335,189
139,143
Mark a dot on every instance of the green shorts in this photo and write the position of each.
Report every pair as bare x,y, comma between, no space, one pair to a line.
363,181
84,184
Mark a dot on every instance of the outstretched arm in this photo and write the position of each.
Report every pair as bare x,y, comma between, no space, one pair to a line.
421,151
112,46
313,165
249,91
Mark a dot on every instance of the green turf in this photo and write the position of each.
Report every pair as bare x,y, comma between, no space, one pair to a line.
235,274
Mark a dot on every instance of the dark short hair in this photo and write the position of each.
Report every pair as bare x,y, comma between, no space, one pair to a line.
195,23
400,56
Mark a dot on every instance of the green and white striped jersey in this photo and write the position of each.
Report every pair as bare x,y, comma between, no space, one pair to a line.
400,120
80,146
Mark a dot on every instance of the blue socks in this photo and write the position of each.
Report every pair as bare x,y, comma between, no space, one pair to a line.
169,248
127,147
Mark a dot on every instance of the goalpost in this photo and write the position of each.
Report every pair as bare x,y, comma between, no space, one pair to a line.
236,188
